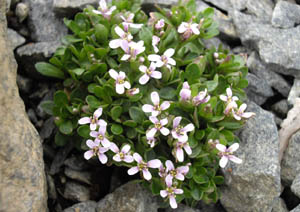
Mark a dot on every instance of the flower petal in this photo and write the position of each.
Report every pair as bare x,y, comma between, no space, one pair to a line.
103,4
143,68
179,176
169,180
146,174
117,158
223,98
151,132
84,120
229,92
195,29
154,120
155,98
105,143
163,193
147,108
125,57
154,163
133,170
176,121
127,85
113,74
165,131
173,202
94,134
102,158
119,31
169,165
156,75
88,154
235,159
154,57
113,147
169,52
128,159
120,88
98,112
144,79
233,147
179,154
221,147
172,61
137,157
248,115
114,44
178,191
182,28
187,149
188,128
93,126
223,162
126,148
165,105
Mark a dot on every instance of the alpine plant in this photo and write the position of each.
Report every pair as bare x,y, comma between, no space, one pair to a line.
145,93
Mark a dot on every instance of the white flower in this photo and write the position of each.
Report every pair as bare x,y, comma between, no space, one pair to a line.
188,29
180,132
132,49
121,84
116,43
158,126
156,108
128,22
164,60
104,10
155,41
239,114
230,101
227,154
122,155
148,73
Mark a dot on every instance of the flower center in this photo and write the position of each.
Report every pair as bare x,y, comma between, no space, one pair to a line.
178,130
157,107
148,72
93,120
96,150
100,137
173,173
142,165
164,59
120,81
158,125
122,155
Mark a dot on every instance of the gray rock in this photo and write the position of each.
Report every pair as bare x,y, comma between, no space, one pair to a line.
255,184
295,92
226,26
67,7
23,182
224,4
76,163
272,78
295,187
268,41
290,165
84,177
59,159
164,2
24,84
281,107
215,42
15,39
182,208
30,54
76,192
22,11
43,23
286,15
8,2
210,207
297,209
32,116
51,187
258,89
279,206
47,128
278,120
88,206
130,197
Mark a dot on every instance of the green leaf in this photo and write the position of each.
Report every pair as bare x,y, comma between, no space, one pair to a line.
200,179
66,127
131,133
230,125
130,123
116,112
101,33
199,134
145,34
60,98
193,73
60,139
49,70
196,193
92,101
136,114
102,93
84,131
156,186
48,106
219,180
167,93
212,84
78,71
116,129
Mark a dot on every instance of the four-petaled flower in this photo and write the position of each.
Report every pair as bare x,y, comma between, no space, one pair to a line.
180,132
158,126
148,73
178,150
132,49
143,166
104,10
128,22
96,149
155,41
230,101
133,91
122,155
164,60
124,36
151,141
160,24
201,98
227,154
188,29
156,109
239,114
121,84
100,136
178,173
93,120
171,192
185,93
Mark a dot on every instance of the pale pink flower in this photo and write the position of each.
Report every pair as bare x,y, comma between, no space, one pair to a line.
162,171
158,126
123,155
188,29
121,84
104,10
124,36
160,24
100,136
151,141
178,150
179,132
143,166
133,91
96,150
156,108
149,73
201,98
128,22
171,192
227,154
177,173
239,114
164,60
185,93
93,120
132,49
155,41
230,101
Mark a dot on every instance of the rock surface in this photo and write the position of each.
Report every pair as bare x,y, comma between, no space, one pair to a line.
76,192
67,7
286,15
279,206
295,92
290,165
15,39
22,181
254,185
130,197
88,206
297,209
295,187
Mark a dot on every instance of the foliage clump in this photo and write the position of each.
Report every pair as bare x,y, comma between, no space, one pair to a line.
147,94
